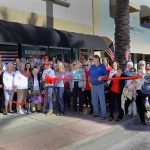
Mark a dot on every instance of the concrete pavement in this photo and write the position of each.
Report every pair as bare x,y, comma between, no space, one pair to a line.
40,132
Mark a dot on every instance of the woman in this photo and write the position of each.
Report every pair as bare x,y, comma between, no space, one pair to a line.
116,88
17,62
59,88
87,92
141,70
130,94
113,71
77,86
28,69
105,62
67,94
35,85
8,81
21,86
1,88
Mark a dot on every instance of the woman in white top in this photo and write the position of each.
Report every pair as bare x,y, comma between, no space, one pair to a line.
21,86
8,81
141,70
113,71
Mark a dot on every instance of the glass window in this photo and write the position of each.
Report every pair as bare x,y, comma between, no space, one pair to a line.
8,52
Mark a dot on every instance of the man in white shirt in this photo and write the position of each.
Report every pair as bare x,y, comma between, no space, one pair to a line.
48,87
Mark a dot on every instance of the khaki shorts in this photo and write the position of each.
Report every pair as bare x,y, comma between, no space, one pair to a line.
21,94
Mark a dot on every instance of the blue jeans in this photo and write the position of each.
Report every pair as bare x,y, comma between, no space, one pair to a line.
49,98
97,92
59,91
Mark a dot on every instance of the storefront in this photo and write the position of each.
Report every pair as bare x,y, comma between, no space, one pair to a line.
8,52
39,41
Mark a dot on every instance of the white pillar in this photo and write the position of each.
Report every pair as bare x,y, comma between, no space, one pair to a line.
135,60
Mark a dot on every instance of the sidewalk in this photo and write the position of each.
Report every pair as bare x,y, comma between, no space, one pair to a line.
40,132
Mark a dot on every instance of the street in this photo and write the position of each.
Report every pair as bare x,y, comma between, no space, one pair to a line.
71,132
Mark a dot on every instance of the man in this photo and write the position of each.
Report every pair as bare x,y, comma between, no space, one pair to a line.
96,73
48,87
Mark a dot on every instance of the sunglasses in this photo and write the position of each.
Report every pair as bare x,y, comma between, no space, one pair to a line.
66,66
86,65
141,64
74,64
132,71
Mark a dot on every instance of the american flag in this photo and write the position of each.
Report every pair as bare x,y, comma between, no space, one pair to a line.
126,54
110,51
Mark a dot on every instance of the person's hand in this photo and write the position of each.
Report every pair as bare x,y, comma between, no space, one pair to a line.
29,91
43,92
71,89
83,89
100,78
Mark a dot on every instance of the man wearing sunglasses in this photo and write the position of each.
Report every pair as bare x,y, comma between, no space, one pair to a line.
96,74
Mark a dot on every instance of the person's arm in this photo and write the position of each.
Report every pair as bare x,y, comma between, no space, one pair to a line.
4,80
105,74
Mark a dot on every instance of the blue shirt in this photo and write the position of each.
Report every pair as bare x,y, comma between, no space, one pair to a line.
127,72
96,72
76,75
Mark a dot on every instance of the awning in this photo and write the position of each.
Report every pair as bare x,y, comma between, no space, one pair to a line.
79,40
107,40
145,11
29,34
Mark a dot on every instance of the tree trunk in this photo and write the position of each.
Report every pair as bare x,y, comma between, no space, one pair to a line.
122,30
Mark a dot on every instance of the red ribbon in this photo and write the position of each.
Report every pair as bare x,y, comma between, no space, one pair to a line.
51,80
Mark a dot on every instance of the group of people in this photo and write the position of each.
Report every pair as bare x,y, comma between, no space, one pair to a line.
22,84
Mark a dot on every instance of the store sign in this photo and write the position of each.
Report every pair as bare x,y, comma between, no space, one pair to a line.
32,52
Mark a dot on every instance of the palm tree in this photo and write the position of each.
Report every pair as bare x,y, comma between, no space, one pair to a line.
122,30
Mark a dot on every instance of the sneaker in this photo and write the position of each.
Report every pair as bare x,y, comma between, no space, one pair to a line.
94,116
4,113
144,123
25,111
21,112
103,118
110,119
49,113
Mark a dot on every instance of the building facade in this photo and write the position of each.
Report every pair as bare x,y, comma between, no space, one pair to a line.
65,15
139,34
89,17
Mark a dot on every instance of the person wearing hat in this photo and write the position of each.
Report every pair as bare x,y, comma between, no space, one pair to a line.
141,70
48,87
